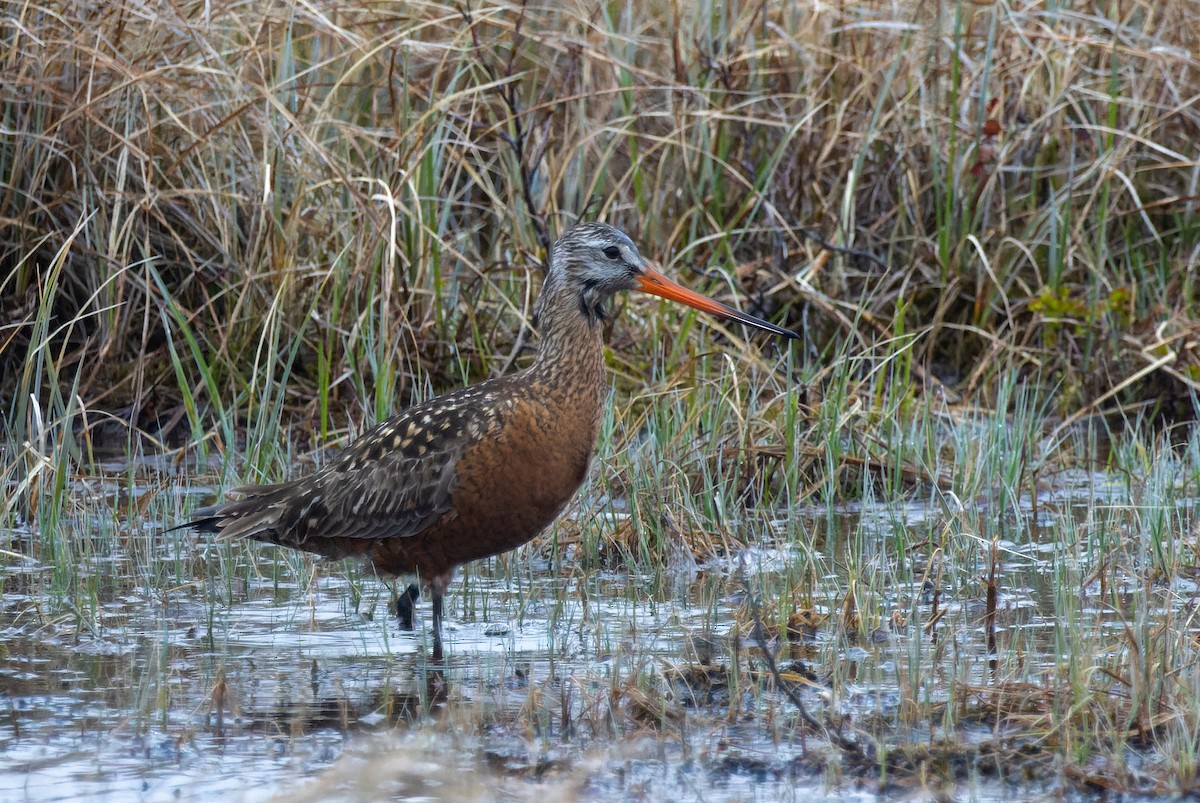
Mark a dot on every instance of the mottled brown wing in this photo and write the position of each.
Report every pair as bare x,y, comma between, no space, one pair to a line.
393,482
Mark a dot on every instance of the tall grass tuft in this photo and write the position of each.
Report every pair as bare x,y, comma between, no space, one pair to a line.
378,184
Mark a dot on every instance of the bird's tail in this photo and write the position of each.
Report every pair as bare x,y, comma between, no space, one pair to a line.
205,524
256,515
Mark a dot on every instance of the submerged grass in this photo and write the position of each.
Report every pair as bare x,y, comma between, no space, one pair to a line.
1043,636
235,234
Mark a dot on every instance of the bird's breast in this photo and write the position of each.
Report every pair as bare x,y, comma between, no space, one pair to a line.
511,486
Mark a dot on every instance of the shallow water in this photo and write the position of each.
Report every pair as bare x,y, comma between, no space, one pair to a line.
198,669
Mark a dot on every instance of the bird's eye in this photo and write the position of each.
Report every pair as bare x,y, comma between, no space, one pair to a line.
612,252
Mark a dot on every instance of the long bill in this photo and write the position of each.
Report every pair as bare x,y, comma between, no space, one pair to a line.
652,282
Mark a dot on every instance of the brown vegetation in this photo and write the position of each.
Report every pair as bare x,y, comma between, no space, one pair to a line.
1017,187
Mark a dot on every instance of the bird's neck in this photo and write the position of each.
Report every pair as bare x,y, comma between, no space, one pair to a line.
571,354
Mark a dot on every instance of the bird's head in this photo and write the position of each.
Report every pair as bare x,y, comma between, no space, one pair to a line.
592,261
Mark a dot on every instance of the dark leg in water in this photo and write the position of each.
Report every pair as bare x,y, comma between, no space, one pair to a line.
437,588
406,603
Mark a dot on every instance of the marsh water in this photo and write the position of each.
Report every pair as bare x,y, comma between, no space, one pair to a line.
172,667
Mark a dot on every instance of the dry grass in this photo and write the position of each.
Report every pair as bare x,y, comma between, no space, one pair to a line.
375,184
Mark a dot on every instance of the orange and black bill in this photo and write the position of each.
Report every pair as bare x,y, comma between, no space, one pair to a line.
654,283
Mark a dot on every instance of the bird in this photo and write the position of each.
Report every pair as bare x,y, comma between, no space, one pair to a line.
481,470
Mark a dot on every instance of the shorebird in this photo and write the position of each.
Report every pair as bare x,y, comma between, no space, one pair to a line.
478,471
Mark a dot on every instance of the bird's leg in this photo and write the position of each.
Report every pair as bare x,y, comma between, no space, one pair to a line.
437,625
406,603
437,589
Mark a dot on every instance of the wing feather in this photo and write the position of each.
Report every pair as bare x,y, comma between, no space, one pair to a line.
393,482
